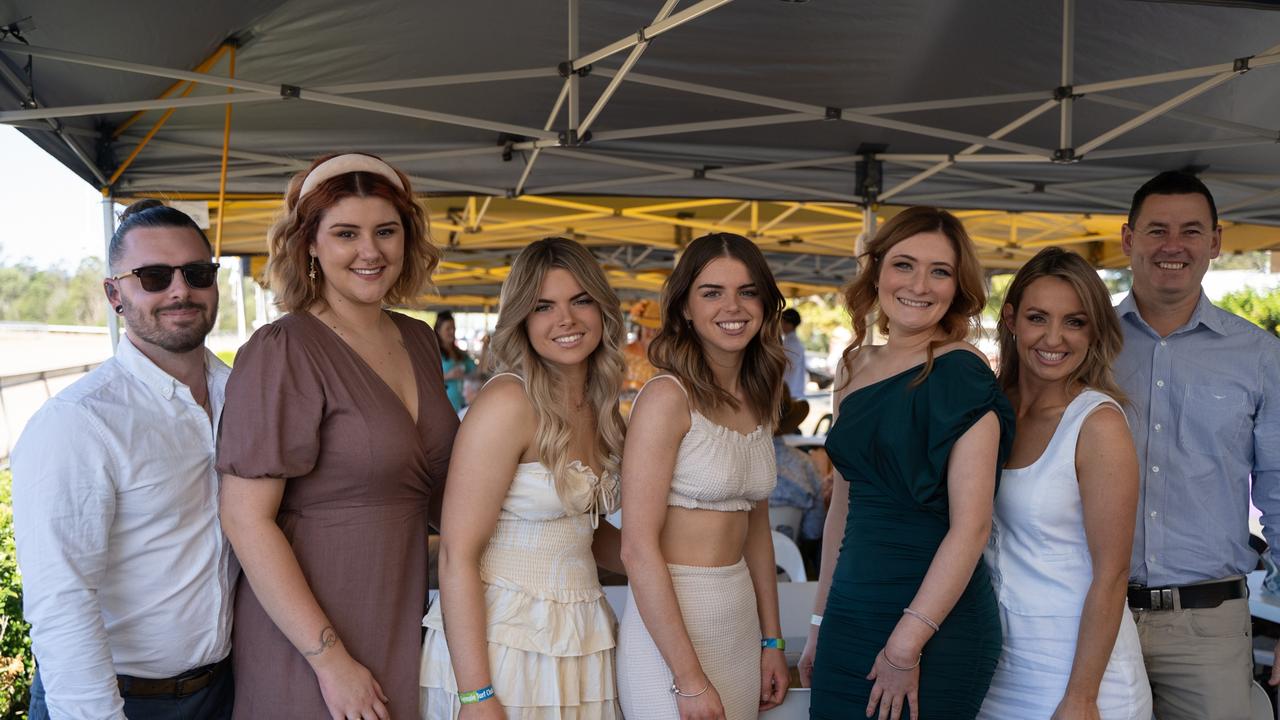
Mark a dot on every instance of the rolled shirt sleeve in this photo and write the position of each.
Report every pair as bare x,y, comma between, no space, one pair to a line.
64,505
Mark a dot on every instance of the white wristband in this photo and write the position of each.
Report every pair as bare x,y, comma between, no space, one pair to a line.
815,620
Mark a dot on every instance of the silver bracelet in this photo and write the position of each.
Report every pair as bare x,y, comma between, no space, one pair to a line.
896,667
675,690
921,617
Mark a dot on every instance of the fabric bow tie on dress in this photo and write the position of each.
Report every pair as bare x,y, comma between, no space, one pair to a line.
602,498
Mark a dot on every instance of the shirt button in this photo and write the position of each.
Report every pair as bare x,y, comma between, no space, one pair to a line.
1159,427
1155,468
1159,383
1154,513
1163,343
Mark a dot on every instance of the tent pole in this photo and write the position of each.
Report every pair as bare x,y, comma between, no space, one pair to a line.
1068,72
627,64
204,66
222,180
574,98
109,229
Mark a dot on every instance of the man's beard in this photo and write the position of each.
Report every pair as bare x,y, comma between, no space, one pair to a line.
150,328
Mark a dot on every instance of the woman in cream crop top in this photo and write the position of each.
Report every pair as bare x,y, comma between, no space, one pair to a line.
719,468
700,634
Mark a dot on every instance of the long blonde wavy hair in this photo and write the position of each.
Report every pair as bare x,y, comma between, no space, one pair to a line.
861,297
513,352
1105,336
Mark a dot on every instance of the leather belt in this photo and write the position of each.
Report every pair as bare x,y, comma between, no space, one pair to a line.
1182,597
188,683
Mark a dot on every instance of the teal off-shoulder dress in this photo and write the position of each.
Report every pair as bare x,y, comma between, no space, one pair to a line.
892,442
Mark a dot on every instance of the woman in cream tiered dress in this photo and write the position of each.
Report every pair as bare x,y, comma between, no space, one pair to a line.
534,465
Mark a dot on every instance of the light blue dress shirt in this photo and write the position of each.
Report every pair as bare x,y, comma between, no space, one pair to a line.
1205,415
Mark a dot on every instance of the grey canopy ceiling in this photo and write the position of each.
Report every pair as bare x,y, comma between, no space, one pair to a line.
1023,105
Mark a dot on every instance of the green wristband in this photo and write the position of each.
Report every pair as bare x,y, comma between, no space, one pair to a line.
475,696
773,643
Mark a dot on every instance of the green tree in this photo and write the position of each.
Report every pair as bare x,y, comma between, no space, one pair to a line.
1261,309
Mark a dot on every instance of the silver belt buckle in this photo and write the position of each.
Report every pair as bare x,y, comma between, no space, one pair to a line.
1162,599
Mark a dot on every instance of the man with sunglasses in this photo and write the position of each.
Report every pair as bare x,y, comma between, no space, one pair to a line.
125,569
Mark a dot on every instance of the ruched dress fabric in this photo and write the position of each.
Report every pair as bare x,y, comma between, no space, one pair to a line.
549,628
892,442
717,468
1041,570
360,480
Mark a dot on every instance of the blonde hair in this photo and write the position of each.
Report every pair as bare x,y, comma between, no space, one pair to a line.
678,349
1106,337
289,257
513,352
861,296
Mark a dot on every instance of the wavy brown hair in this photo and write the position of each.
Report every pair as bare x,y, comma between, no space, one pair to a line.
861,296
1105,336
513,352
294,232
678,349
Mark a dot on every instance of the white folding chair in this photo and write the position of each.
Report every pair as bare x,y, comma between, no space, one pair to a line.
1259,704
786,520
787,556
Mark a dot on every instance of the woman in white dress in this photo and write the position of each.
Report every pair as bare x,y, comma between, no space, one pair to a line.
522,629
1065,510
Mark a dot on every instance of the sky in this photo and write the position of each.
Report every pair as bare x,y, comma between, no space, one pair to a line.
48,215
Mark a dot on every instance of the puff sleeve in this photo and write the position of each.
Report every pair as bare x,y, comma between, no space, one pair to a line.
959,393
275,403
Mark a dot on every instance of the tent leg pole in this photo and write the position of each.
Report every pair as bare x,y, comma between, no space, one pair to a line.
109,229
1068,71
222,173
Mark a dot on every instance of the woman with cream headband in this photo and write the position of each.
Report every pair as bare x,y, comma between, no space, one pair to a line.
334,449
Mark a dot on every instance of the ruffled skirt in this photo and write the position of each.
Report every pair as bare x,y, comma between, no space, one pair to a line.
550,656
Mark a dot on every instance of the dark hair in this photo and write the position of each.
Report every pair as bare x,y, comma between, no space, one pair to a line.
678,350
791,315
449,351
1171,182
149,213
1106,337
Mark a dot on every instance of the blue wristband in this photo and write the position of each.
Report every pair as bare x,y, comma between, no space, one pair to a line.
475,696
773,643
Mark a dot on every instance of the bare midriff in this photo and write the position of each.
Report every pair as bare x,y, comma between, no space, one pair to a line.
704,538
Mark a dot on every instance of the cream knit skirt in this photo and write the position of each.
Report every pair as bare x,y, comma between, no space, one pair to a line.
718,605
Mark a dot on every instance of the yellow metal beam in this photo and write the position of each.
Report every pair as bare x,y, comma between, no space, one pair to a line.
551,221
682,205
222,174
567,204
204,66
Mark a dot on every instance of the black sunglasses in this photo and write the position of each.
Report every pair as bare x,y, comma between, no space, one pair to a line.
157,278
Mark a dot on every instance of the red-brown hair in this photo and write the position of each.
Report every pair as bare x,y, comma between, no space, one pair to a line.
862,299
294,232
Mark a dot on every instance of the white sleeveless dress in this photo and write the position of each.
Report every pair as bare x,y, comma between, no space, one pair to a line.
1041,570
549,627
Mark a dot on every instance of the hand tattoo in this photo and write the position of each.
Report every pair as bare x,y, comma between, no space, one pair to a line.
328,638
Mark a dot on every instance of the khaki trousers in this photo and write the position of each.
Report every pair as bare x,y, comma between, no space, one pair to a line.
1199,661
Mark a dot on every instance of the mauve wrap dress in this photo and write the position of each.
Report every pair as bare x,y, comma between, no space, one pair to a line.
361,481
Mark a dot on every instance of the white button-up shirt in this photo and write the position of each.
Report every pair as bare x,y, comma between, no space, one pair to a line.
125,568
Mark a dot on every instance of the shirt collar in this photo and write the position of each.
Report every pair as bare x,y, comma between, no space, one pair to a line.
1205,314
142,368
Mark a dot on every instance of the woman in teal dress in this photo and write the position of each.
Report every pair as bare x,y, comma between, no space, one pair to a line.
905,620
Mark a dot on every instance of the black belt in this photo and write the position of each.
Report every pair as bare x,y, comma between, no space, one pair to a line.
1204,595
188,683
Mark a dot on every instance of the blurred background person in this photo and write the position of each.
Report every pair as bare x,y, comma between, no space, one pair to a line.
456,362
796,376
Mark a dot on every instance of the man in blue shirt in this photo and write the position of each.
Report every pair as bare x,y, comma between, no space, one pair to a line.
1204,393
